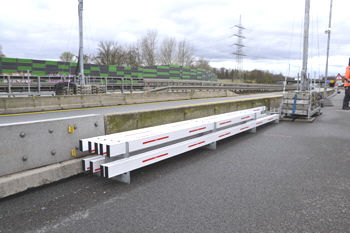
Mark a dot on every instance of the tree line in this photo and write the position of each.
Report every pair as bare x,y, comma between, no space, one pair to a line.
257,76
146,51
150,51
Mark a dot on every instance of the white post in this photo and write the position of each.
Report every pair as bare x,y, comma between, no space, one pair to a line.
28,81
328,31
81,54
306,45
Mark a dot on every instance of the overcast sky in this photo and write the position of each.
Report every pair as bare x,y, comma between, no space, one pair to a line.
43,29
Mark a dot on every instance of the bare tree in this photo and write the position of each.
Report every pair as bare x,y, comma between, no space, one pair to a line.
110,53
133,56
148,45
167,51
67,57
185,53
203,64
88,59
1,53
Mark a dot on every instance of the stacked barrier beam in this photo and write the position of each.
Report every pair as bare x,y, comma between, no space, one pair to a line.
120,153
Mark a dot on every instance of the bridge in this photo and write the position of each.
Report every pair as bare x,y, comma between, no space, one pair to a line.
291,176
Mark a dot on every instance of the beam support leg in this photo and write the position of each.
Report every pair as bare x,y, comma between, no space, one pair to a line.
123,178
253,130
211,146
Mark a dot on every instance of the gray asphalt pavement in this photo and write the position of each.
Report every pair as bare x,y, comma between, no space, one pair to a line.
287,177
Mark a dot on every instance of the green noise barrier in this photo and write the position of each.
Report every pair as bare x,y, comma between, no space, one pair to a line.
15,66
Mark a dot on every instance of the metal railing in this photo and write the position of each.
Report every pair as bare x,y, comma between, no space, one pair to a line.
34,85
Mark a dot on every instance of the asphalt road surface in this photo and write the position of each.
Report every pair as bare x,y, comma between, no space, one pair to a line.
287,177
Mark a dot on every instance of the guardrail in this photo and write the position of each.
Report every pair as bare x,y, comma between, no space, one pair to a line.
123,152
35,86
236,89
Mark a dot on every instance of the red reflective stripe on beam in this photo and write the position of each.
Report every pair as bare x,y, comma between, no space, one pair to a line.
92,150
88,168
197,144
97,169
155,140
259,123
197,129
245,117
149,141
225,122
146,160
224,135
245,128
271,119
162,155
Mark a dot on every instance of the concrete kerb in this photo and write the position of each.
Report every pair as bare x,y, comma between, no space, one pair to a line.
155,97
70,101
3,103
112,99
46,103
19,104
208,94
90,101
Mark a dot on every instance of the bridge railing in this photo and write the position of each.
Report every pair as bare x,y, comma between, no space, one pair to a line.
35,85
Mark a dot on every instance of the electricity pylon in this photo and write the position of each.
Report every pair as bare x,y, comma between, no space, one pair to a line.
239,49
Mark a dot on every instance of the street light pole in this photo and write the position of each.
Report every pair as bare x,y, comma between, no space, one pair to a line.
328,31
81,54
305,46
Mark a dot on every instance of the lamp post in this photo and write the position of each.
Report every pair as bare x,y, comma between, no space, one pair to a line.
328,32
81,54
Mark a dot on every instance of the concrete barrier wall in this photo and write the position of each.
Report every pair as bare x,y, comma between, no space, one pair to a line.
44,103
29,145
137,98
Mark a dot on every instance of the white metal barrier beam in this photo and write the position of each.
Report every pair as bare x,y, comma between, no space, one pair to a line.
113,145
89,144
122,166
115,148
